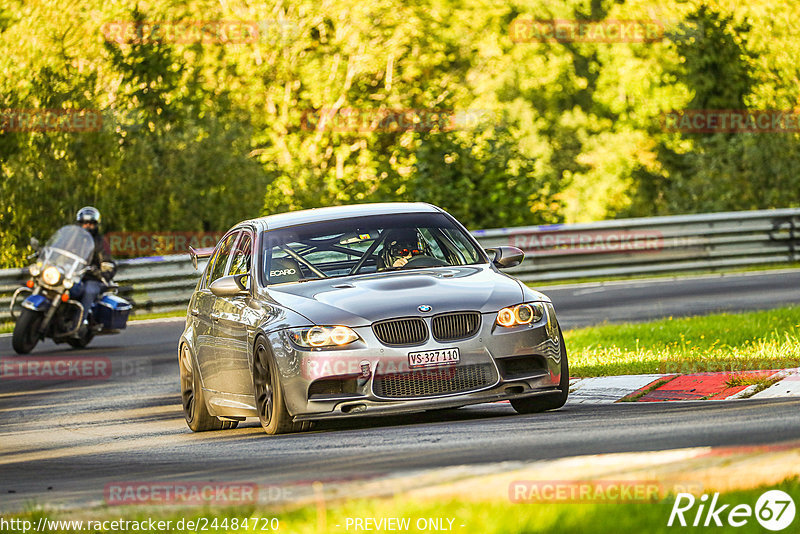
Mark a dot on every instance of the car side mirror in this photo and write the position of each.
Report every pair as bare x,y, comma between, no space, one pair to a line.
505,257
231,286
35,244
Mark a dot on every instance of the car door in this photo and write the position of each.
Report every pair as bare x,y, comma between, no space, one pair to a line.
234,319
203,310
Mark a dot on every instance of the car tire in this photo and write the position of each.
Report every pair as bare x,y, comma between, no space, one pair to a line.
548,402
26,331
270,403
193,401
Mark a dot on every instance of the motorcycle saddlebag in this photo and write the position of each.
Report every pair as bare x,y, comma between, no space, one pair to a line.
112,312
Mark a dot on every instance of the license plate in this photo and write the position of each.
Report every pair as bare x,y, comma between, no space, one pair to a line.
427,358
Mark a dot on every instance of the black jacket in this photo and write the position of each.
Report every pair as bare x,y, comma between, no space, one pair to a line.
100,255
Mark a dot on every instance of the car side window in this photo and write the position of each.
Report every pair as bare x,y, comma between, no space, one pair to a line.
433,245
221,258
464,247
240,264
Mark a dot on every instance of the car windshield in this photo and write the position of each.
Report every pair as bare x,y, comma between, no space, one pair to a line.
365,245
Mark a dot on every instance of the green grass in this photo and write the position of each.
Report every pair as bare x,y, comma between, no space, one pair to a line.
496,516
159,315
722,342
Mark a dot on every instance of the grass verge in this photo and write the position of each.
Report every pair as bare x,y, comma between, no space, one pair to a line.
723,342
495,515
159,315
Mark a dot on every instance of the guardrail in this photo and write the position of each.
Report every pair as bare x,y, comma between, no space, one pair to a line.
618,247
652,245
158,284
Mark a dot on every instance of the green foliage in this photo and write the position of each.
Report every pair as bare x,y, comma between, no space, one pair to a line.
702,172
200,134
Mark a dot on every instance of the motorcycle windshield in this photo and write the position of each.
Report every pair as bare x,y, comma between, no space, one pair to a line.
69,249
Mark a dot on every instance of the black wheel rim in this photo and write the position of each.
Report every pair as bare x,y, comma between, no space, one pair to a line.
262,385
187,383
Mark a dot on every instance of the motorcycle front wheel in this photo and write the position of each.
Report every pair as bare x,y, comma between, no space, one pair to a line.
26,331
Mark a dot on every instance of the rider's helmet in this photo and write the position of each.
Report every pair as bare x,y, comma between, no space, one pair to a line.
89,215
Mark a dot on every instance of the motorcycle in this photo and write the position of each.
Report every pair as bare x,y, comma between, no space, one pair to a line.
52,308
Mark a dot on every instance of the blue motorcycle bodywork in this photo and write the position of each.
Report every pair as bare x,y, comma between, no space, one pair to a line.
38,303
109,310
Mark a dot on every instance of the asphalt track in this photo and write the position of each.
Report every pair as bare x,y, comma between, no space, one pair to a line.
62,441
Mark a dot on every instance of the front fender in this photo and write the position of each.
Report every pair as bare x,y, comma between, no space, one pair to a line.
37,303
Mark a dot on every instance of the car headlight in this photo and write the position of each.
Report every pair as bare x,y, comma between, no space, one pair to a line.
520,314
323,336
51,276
35,269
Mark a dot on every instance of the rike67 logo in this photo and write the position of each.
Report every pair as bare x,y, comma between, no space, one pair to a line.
774,510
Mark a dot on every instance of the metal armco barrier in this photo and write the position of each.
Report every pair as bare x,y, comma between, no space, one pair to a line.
652,245
619,247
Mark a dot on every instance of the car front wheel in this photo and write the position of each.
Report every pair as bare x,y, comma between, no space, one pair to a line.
548,402
270,404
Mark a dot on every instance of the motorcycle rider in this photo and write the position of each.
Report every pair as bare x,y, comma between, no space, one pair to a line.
102,267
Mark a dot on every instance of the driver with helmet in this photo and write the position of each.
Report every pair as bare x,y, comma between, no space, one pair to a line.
402,245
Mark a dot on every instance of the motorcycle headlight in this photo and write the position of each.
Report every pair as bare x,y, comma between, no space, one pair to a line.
520,314
68,283
51,276
35,269
323,336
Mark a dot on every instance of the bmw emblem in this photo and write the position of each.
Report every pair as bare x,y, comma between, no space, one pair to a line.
424,308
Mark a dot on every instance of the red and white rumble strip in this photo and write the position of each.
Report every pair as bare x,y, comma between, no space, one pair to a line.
677,387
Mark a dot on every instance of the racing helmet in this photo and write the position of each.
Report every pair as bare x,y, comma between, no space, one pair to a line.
402,242
89,214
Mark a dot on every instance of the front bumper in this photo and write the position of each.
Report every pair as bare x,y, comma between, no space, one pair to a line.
367,407
495,364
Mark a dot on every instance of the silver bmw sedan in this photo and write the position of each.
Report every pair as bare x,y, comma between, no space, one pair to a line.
362,310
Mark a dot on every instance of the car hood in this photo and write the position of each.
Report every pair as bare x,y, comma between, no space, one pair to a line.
363,299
